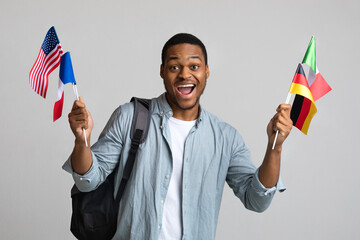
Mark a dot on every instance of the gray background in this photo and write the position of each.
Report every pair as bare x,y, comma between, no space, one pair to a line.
254,48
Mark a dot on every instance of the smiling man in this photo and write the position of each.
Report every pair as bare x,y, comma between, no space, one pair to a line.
176,186
184,71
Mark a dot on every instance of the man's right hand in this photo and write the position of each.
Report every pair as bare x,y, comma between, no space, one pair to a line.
80,118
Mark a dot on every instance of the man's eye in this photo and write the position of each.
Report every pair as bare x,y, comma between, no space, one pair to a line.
174,67
194,67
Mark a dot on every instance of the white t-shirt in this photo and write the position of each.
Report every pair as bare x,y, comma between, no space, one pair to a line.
172,215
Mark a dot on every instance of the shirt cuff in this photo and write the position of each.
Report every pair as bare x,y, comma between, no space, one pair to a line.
83,182
258,185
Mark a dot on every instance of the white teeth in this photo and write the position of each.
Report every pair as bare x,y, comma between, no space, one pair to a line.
187,85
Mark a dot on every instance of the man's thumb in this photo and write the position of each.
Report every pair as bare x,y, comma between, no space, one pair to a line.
81,100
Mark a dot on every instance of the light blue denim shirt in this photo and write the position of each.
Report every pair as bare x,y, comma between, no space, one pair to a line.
214,153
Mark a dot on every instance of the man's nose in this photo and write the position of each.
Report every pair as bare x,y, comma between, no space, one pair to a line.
185,73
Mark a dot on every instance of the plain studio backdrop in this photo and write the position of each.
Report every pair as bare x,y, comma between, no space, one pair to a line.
254,48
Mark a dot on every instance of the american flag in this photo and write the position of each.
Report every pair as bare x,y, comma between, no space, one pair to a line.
47,60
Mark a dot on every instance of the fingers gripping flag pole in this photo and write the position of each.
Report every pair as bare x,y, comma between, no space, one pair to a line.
77,98
277,131
66,75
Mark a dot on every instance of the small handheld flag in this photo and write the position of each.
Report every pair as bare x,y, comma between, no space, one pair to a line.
318,86
303,108
48,59
307,91
66,75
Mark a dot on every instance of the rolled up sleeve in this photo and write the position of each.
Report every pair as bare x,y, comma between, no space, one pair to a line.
88,181
243,178
105,153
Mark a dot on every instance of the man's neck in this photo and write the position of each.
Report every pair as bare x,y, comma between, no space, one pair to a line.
184,114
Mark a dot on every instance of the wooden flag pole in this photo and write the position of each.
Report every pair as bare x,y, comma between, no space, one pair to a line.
277,131
77,98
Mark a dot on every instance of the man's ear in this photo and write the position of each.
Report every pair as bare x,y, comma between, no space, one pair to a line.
207,71
162,71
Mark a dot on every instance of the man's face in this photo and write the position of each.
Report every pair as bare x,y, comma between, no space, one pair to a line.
184,73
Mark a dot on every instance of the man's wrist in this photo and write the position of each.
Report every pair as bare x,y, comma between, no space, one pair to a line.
277,148
81,142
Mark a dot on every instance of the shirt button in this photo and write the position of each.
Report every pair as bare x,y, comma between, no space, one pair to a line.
162,201
170,113
81,179
167,176
159,226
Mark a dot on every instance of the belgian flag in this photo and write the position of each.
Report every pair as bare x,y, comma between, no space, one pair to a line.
303,108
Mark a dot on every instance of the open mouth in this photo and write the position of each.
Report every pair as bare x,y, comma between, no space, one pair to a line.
186,89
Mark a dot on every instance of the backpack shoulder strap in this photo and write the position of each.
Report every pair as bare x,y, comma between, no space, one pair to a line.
139,130
141,117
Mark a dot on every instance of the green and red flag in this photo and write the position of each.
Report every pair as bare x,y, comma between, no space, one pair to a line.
306,91
318,86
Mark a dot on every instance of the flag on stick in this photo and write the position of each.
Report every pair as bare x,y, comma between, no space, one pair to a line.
66,75
317,84
48,59
307,91
303,108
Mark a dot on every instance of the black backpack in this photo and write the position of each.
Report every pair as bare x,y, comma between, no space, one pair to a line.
94,215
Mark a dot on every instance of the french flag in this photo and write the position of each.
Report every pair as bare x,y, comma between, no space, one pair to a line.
66,75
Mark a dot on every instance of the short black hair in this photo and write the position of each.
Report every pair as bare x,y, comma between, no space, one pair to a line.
183,38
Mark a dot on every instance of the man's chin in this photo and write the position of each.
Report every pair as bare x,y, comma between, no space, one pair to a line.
186,107
182,105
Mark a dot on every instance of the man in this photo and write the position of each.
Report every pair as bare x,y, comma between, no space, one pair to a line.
176,186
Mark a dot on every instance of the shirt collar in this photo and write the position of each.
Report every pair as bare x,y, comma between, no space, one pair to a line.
165,109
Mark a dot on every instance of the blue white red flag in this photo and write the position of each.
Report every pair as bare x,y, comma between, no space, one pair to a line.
47,60
66,75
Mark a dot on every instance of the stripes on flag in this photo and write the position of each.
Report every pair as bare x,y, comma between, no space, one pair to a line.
58,106
303,108
300,85
318,86
302,112
66,75
47,61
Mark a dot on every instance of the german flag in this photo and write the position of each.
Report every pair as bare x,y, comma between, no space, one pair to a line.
303,108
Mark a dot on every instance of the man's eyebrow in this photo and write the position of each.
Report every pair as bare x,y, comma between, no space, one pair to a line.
191,57
173,58
196,57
